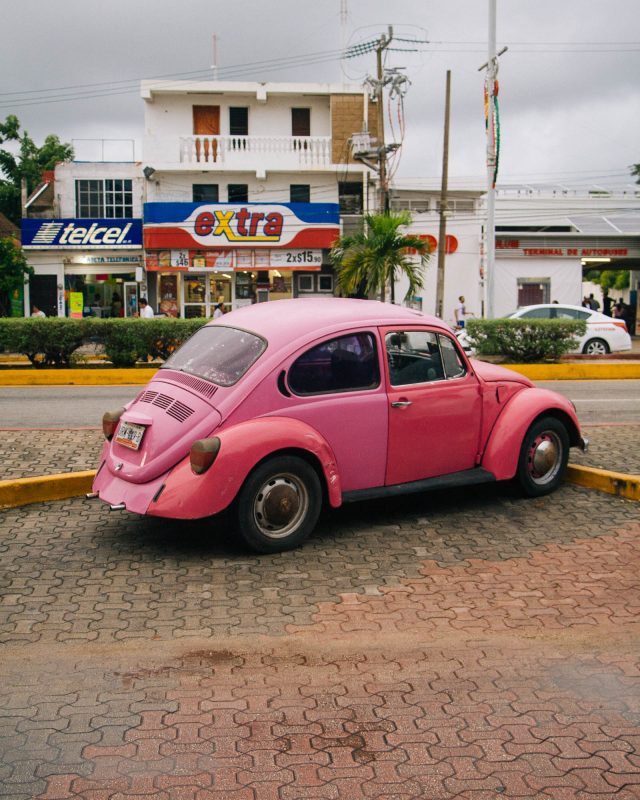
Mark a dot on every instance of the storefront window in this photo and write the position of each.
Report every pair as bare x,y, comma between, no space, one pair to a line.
195,289
101,295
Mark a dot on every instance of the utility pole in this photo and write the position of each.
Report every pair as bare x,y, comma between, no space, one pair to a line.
442,233
492,158
383,43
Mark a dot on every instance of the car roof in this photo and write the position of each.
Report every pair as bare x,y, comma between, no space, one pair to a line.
555,305
281,321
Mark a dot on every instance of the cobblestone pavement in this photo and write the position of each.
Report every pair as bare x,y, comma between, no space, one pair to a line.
461,645
27,452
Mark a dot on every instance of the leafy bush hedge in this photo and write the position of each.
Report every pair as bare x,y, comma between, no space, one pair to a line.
51,341
524,340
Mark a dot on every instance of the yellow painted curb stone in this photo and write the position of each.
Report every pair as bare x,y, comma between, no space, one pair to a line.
576,372
618,483
41,489
76,377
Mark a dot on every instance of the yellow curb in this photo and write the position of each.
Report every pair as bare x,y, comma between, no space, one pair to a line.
618,483
576,372
41,489
76,377
22,491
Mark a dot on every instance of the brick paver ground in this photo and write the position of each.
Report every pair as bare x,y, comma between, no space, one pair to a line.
27,452
462,645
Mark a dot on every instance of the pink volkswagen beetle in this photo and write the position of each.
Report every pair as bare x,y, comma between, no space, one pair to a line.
277,408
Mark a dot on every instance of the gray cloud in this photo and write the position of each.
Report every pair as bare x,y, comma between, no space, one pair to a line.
565,114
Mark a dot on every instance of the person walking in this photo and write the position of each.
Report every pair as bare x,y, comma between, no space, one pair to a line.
461,312
593,303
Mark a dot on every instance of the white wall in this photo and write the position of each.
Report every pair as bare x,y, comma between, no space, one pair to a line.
67,174
461,269
178,187
172,115
565,275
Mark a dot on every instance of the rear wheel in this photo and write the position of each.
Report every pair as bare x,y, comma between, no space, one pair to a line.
543,457
596,347
278,506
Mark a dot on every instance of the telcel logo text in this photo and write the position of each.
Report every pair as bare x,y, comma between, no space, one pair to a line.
96,234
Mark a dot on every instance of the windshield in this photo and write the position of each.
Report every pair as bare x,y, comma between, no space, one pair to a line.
218,354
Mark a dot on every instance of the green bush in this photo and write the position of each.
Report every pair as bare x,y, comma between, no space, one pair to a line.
51,341
46,341
524,340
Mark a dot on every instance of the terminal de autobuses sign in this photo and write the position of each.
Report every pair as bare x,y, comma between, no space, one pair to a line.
527,249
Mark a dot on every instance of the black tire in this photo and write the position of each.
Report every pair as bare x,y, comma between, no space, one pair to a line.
596,347
278,505
543,457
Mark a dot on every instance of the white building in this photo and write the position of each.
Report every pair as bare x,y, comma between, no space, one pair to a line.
546,239
82,234
245,183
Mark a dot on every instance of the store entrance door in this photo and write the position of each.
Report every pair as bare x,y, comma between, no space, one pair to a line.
43,292
130,299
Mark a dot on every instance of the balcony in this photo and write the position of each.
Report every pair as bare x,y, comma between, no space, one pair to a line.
239,153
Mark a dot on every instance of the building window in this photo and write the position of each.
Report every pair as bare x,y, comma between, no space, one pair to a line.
350,197
300,193
111,198
301,122
239,121
238,193
205,192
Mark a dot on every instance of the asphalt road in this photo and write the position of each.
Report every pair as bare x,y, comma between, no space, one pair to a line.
81,406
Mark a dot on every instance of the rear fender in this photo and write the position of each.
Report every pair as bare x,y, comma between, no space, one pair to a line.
242,447
503,447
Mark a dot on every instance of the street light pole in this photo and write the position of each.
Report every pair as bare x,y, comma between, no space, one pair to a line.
442,233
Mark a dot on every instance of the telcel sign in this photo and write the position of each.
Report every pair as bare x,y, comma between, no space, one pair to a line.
69,233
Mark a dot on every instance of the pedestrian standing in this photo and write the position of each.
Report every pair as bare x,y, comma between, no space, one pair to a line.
146,312
37,312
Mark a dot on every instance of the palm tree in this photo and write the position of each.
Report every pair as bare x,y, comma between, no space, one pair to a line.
368,261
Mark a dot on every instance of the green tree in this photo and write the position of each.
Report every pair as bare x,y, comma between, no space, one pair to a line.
609,278
635,170
25,159
369,261
14,270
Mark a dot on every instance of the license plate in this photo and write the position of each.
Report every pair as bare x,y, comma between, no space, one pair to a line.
130,435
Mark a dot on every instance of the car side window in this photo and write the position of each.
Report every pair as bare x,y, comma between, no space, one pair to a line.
536,313
571,313
414,357
454,366
344,364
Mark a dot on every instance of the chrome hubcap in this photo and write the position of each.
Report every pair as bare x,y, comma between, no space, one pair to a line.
596,349
545,457
280,506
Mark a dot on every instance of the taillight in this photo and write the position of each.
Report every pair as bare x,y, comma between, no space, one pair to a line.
110,422
203,454
620,323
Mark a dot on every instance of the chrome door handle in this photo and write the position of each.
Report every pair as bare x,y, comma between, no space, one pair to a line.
400,403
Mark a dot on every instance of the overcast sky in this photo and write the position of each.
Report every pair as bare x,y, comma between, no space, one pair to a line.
569,83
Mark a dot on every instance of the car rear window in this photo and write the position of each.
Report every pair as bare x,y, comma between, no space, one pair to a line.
218,354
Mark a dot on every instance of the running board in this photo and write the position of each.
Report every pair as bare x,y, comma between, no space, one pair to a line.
467,477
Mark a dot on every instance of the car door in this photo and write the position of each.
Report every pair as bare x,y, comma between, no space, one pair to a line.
435,406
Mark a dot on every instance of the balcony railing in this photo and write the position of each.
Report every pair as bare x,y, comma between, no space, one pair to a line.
236,151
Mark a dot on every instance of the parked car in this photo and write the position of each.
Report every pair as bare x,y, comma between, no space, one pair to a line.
604,334
278,408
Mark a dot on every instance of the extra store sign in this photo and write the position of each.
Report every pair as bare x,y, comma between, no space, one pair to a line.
67,234
221,225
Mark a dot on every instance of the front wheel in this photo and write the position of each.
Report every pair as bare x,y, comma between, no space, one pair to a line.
278,506
543,457
596,347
